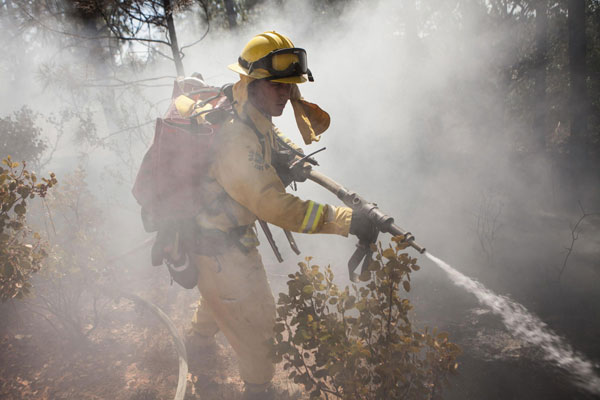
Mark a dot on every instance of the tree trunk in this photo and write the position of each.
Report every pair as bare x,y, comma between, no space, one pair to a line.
97,54
540,113
231,14
168,7
578,107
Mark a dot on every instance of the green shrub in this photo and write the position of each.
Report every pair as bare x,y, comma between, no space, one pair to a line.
21,251
21,137
359,343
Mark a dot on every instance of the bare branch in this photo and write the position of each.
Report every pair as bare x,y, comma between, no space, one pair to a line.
125,130
117,35
54,148
205,8
196,42
575,231
127,83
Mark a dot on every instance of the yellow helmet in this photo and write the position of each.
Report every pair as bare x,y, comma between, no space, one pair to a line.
271,55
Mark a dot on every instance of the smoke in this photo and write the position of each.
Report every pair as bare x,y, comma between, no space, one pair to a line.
415,114
421,123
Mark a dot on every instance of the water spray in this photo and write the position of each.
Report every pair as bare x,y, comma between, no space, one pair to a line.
517,319
529,328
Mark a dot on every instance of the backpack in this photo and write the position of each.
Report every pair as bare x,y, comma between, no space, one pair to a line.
168,184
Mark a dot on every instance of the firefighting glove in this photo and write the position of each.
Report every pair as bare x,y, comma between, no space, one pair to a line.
362,227
287,167
300,171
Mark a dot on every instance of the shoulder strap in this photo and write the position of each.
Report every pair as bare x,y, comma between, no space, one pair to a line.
228,91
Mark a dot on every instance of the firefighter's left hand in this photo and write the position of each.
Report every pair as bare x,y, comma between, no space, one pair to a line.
363,228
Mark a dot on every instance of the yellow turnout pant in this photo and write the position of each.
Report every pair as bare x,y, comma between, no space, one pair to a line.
237,299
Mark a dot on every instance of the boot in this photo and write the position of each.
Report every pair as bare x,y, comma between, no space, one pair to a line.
261,391
196,342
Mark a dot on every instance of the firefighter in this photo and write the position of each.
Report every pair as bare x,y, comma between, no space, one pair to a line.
243,185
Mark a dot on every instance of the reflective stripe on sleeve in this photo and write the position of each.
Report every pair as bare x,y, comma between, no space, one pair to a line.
313,216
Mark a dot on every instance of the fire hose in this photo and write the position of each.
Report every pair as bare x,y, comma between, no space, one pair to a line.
164,318
383,222
177,340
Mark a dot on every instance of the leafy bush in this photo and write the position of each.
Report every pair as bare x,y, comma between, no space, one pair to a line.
359,343
21,137
21,251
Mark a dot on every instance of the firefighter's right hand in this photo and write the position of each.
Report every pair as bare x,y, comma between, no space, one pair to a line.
300,171
362,227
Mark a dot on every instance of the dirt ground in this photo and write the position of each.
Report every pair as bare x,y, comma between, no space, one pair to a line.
130,356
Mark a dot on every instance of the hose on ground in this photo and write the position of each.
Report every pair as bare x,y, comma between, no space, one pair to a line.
177,340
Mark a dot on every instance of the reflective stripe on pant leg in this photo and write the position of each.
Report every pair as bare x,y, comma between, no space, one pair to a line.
235,288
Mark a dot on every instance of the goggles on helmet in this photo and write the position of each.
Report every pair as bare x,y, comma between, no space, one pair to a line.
282,63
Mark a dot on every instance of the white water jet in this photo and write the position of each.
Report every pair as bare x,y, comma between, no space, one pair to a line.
529,328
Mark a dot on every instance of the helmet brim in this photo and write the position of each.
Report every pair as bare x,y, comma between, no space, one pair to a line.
258,74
